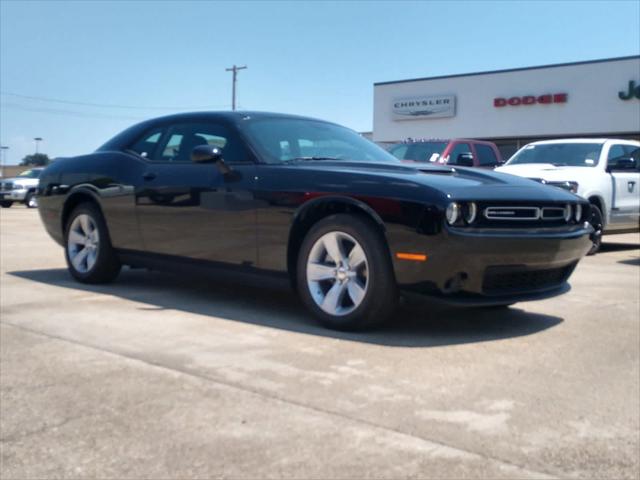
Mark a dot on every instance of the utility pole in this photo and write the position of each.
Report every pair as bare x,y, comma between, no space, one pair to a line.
37,140
3,158
234,69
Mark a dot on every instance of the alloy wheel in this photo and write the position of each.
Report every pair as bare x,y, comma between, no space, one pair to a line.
337,273
83,243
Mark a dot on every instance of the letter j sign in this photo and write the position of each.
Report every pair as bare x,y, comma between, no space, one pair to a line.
632,92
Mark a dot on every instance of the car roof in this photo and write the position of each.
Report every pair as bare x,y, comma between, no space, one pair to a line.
448,140
584,140
232,116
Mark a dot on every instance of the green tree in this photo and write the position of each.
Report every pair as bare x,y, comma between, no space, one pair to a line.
36,160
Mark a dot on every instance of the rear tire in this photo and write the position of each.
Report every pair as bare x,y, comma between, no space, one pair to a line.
344,273
6,204
595,219
88,251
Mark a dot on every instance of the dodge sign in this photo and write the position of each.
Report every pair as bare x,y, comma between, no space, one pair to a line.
436,106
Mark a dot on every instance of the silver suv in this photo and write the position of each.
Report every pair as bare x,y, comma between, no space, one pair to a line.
20,189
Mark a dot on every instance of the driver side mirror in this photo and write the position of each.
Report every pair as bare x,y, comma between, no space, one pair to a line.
624,163
210,154
206,154
465,160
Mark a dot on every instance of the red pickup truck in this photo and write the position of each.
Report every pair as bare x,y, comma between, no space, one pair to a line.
462,152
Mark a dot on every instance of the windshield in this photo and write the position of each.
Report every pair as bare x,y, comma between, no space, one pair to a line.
559,154
281,140
420,152
33,173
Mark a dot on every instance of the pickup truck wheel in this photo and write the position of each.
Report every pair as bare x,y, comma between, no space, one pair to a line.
344,274
31,200
595,219
6,204
88,251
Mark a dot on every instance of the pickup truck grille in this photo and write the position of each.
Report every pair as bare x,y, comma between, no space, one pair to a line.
509,280
5,186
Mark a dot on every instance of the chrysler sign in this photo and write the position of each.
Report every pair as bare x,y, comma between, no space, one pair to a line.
434,106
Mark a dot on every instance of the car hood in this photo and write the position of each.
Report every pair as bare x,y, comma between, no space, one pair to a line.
451,183
21,180
545,171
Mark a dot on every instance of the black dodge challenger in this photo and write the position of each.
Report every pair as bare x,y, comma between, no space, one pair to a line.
248,193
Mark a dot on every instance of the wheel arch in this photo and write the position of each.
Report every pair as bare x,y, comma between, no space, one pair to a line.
75,198
315,210
599,202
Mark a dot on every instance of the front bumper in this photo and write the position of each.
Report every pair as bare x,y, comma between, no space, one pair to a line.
491,267
13,195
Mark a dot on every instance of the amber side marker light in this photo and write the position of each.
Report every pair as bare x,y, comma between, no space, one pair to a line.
416,257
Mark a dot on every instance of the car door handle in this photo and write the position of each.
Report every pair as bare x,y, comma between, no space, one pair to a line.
149,176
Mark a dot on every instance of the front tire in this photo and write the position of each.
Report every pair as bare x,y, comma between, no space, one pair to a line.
595,219
88,251
344,273
31,201
6,204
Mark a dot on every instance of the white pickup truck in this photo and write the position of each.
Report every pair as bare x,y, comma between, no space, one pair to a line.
604,171
20,189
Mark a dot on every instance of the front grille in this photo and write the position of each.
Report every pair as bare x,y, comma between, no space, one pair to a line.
514,279
4,186
522,215
512,213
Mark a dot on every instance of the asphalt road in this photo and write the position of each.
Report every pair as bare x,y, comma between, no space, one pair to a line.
157,376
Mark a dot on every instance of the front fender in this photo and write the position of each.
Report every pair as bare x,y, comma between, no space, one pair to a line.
320,199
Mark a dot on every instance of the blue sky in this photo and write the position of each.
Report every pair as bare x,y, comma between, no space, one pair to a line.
311,58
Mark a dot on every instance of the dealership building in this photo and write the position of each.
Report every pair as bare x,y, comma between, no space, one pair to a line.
599,98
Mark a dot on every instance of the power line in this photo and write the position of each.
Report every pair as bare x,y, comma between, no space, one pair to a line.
104,105
72,113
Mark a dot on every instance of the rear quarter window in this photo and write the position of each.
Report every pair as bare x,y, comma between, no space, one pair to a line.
486,155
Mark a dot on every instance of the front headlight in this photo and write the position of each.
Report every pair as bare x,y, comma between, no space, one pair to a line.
453,213
17,186
578,212
567,213
470,212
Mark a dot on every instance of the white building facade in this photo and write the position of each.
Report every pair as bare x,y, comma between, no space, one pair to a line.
599,98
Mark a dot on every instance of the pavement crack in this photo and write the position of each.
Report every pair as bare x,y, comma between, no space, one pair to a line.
43,429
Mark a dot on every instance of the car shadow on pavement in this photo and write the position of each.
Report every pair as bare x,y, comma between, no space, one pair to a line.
421,324
631,261
617,247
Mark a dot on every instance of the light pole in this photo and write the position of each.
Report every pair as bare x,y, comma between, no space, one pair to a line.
3,158
234,69
37,140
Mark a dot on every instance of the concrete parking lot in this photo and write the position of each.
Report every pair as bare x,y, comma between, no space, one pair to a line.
157,376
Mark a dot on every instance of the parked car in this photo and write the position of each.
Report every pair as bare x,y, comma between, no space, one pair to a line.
295,198
461,152
604,171
20,189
